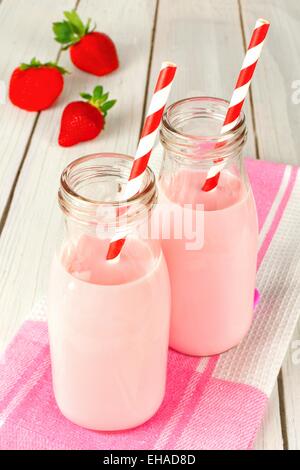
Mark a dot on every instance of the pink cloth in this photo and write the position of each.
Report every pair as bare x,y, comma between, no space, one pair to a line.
210,403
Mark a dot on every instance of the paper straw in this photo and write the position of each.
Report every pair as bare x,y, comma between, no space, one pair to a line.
146,144
241,89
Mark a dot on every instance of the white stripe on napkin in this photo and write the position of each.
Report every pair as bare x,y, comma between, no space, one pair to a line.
257,360
270,217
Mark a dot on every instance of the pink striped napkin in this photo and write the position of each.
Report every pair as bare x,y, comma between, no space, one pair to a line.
210,403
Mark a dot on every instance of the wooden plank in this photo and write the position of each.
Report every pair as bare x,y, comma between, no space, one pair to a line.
269,436
23,36
206,42
291,391
204,39
32,228
277,119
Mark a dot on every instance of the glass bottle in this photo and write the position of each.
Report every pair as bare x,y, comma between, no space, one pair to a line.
108,320
211,247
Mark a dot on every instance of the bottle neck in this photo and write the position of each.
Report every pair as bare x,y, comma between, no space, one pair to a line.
191,133
91,194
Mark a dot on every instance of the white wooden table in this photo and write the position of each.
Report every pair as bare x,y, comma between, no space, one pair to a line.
206,38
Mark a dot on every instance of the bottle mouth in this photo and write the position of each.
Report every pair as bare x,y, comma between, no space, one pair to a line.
192,128
92,188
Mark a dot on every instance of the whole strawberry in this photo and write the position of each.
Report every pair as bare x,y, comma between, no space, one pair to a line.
90,50
84,120
35,86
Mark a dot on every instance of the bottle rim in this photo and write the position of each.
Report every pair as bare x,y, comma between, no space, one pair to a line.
185,144
76,204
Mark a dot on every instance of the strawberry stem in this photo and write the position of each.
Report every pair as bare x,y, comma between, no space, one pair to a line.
99,100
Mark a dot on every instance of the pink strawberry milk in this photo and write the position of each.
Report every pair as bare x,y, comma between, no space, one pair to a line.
108,320
212,266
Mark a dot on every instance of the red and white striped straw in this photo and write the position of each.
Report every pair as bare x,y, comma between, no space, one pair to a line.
146,144
241,88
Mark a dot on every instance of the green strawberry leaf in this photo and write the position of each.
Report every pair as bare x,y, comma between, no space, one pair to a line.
106,106
62,70
74,20
86,96
99,100
87,26
70,30
63,32
34,63
97,93
104,97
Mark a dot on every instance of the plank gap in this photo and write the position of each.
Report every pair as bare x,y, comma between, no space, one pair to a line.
149,64
282,411
256,146
26,150
16,179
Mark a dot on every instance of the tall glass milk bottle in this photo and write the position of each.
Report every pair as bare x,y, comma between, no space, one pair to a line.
108,320
210,237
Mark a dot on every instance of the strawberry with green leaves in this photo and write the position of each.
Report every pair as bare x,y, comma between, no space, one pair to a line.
84,120
35,86
90,50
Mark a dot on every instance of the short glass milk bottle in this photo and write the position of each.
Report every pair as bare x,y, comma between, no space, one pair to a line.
212,269
108,320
